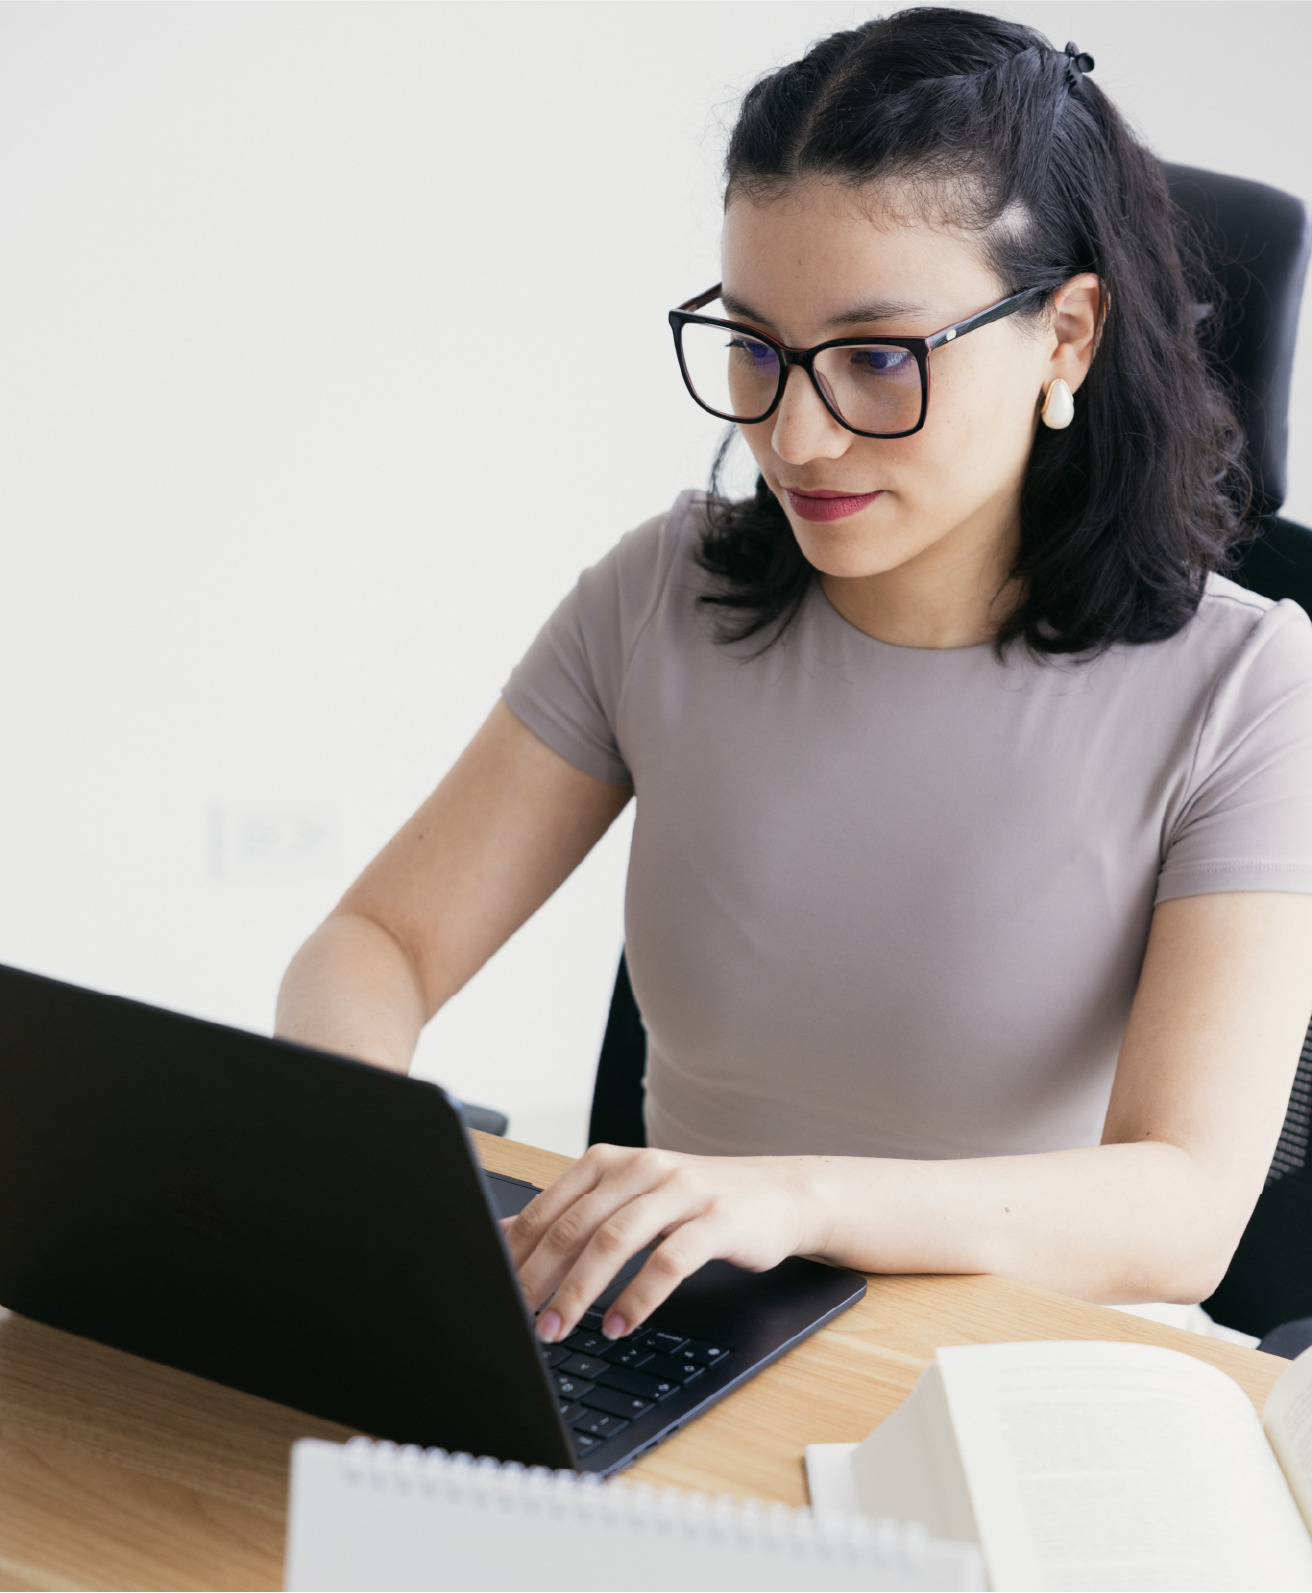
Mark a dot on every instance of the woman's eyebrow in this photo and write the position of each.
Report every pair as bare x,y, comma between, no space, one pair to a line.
878,310
859,315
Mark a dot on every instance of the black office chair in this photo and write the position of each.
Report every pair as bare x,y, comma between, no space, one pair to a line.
1256,240
620,1090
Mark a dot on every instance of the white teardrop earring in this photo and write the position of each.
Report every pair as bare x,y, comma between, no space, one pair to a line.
1058,406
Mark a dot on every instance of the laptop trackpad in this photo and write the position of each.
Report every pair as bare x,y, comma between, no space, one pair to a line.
508,1197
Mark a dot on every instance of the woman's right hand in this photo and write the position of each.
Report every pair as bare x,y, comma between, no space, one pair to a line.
569,1243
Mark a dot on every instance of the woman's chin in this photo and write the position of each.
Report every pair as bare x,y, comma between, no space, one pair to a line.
847,549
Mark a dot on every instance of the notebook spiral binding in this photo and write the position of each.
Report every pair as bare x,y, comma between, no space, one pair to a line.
696,1517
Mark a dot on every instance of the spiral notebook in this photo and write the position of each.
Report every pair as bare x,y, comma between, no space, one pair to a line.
367,1515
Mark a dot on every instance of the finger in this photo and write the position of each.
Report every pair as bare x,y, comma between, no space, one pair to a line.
616,1240
598,1213
674,1259
526,1231
576,1181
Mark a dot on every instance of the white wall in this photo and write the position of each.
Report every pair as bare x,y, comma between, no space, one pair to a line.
268,548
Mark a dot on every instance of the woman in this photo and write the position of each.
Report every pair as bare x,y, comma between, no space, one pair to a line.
968,908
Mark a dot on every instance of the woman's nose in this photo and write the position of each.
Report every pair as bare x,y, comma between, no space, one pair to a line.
803,428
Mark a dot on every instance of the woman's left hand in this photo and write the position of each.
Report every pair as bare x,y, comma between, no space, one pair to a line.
571,1240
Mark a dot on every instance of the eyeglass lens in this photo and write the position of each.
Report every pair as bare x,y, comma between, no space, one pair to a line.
874,388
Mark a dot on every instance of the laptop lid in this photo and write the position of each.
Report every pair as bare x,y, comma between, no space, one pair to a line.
320,1232
294,1224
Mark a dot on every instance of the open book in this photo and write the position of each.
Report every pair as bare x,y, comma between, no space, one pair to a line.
1092,1465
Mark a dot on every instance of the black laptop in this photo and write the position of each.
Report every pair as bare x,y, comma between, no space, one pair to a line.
320,1232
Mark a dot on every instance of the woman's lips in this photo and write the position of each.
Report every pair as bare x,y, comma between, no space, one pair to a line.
828,505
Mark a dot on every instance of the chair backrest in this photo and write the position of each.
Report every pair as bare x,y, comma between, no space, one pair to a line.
1256,240
618,1094
1269,1279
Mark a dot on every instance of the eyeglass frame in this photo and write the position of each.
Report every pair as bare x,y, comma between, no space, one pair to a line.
919,347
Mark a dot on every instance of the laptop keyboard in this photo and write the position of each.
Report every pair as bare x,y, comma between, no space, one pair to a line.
604,1384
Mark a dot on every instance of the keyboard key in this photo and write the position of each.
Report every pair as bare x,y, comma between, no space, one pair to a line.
663,1343
610,1399
704,1354
583,1442
591,1320
588,1343
571,1410
599,1424
671,1368
554,1354
572,1387
626,1353
638,1383
588,1366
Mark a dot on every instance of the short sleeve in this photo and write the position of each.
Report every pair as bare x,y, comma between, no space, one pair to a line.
567,687
1246,820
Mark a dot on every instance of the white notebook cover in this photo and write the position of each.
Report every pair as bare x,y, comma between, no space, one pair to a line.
365,1515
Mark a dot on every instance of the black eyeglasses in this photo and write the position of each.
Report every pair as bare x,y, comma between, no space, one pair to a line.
874,386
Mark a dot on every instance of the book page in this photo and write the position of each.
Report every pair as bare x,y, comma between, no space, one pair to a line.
908,1468
1119,1466
830,1485
1287,1419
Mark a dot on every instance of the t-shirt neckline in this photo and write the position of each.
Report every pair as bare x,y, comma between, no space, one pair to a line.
819,593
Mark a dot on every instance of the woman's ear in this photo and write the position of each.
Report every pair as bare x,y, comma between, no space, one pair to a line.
1076,321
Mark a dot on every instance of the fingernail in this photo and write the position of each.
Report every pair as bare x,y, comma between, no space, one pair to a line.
549,1326
614,1327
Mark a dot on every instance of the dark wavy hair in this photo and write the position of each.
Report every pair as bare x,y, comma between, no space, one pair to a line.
1125,512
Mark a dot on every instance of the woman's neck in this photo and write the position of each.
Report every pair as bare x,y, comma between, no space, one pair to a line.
955,593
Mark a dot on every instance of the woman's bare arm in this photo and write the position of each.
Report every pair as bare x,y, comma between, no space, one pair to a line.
503,830
1201,1089
1153,1213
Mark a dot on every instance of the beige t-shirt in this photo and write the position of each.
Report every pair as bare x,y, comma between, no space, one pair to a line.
893,901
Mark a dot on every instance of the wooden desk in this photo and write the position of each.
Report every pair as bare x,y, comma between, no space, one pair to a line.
116,1473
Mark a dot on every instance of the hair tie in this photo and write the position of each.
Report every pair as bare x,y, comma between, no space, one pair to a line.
1078,62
